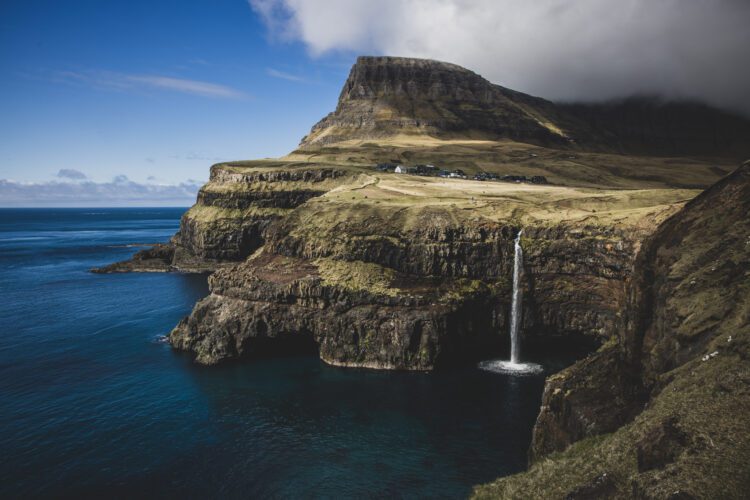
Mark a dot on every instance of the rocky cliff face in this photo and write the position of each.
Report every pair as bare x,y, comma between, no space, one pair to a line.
396,96
282,303
385,96
406,291
658,412
233,211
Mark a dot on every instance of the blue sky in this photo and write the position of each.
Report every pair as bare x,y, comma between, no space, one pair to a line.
106,102
153,90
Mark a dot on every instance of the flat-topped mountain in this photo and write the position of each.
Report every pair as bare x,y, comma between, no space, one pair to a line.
386,97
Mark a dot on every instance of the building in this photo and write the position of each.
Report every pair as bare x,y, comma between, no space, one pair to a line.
428,170
400,169
386,167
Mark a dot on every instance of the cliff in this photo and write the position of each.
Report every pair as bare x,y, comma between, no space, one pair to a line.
419,111
322,253
374,269
658,411
232,214
404,272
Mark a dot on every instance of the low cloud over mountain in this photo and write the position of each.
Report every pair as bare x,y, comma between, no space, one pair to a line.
561,50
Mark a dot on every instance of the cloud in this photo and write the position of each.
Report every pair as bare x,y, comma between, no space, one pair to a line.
120,192
558,49
284,76
187,86
121,81
71,173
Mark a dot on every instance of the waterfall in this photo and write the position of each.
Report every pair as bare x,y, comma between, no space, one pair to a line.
514,366
515,310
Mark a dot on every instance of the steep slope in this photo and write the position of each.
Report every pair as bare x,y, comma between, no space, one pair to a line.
659,412
649,125
233,211
388,97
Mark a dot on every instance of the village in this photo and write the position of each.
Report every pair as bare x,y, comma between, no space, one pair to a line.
427,170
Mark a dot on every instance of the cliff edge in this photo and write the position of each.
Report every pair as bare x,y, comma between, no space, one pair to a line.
659,411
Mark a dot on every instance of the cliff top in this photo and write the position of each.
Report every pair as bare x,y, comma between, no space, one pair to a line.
406,61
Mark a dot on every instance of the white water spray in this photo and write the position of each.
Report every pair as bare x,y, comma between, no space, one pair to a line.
514,366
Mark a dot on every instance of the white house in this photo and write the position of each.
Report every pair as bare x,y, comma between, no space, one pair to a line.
400,169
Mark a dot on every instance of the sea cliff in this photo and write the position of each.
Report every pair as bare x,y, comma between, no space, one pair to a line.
329,251
658,411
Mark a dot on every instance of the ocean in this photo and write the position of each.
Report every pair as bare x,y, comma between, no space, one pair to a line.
94,403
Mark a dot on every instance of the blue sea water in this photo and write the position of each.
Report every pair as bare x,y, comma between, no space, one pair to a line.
93,403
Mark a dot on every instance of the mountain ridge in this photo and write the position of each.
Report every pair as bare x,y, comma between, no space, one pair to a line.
384,97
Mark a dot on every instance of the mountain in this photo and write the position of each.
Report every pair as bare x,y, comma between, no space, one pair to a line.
624,258
386,97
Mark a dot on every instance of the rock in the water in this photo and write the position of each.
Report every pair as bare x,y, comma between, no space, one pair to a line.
158,258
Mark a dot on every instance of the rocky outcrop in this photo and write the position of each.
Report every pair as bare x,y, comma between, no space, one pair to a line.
157,258
280,302
231,215
660,409
233,211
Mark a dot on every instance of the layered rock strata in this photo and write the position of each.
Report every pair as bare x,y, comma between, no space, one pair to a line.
233,211
231,215
659,411
416,299
385,96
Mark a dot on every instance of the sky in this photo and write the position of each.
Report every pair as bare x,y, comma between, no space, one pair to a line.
129,103
156,91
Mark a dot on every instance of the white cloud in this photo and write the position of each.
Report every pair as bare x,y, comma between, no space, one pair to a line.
121,191
122,81
559,49
284,76
187,86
